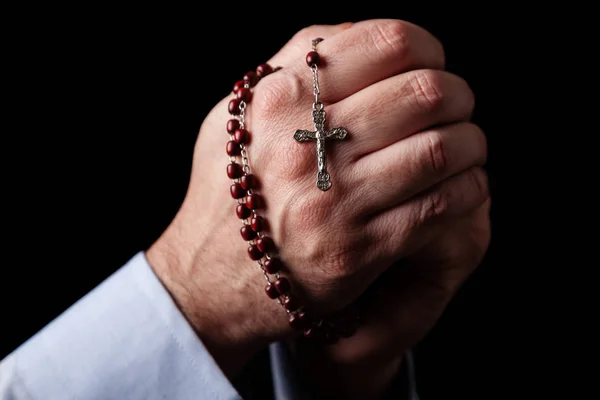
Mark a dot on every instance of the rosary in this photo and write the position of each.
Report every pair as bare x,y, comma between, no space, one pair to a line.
262,248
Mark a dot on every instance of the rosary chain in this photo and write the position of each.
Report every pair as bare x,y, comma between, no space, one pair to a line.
262,248
315,70
316,89
246,168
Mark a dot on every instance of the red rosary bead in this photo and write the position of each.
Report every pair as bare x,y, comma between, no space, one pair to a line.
295,322
238,85
272,265
251,78
244,95
257,222
247,181
282,285
242,211
304,317
234,171
313,59
253,201
237,192
312,333
234,107
241,136
290,304
263,70
247,233
265,244
233,148
232,125
255,254
271,291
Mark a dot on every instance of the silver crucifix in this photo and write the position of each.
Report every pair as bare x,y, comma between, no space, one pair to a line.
320,135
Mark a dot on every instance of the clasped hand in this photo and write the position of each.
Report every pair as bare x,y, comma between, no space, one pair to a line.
405,221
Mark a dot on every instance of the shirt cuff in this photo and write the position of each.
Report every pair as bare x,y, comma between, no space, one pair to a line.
287,386
126,339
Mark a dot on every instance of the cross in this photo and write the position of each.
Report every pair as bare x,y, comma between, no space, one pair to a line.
320,135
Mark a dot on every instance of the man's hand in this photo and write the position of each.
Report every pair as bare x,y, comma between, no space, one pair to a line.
411,163
403,305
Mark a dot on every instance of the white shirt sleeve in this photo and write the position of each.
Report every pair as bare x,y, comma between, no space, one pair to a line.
127,339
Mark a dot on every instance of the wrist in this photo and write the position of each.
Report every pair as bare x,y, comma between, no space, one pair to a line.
217,291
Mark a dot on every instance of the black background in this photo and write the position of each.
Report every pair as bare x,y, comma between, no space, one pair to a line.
107,102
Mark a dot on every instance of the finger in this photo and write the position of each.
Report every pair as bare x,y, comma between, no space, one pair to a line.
401,228
366,53
407,299
408,167
398,107
296,48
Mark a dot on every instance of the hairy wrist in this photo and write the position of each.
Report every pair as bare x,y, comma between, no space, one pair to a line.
217,291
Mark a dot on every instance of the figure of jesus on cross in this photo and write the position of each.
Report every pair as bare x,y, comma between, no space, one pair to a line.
320,135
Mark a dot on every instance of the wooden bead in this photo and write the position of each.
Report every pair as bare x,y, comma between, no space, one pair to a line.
244,95
238,85
234,171
272,265
255,254
251,78
242,211
257,222
290,304
241,136
263,70
282,285
247,233
295,322
248,182
253,201
313,333
236,190
233,148
313,59
271,291
234,107
232,125
305,317
265,244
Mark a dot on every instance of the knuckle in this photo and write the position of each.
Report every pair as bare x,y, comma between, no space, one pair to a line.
436,159
282,91
390,36
341,263
293,161
305,33
427,91
273,105
433,205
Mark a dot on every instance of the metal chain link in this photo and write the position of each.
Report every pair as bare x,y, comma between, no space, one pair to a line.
246,168
317,105
316,89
